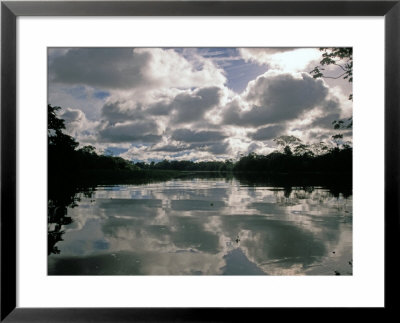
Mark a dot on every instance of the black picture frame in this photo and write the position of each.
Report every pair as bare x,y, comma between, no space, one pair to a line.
10,10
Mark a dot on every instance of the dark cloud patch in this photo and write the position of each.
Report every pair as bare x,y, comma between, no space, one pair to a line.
233,114
332,105
192,107
99,67
161,108
267,133
113,113
72,116
276,99
218,148
187,135
133,132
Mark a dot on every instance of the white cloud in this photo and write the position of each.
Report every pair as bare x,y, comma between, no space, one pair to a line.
283,59
127,68
166,68
78,126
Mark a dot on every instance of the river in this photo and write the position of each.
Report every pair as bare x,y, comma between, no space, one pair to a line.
202,226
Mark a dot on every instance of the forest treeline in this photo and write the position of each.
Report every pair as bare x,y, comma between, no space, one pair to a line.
66,159
336,160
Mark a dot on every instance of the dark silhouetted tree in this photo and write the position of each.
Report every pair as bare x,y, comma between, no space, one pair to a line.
342,58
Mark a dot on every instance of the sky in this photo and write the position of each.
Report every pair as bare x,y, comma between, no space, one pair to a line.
150,104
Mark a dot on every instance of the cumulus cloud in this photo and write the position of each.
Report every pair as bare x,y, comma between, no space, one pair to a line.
138,131
78,126
184,108
168,68
76,97
73,117
100,67
192,107
113,112
128,68
276,97
161,108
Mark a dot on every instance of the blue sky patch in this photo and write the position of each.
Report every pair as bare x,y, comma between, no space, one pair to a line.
101,95
240,72
237,71
115,151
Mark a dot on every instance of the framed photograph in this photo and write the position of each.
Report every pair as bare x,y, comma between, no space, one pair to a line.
197,160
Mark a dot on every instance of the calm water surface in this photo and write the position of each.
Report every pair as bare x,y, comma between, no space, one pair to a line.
202,226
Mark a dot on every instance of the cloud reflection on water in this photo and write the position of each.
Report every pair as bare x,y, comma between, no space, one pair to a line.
189,227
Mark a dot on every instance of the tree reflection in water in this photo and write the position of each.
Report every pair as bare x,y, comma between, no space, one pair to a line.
61,196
